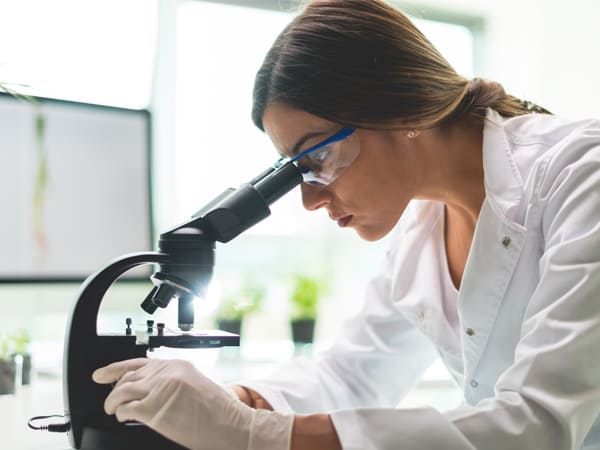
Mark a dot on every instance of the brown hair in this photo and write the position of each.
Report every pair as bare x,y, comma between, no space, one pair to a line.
363,63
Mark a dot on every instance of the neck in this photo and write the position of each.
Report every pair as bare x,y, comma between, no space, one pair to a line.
455,170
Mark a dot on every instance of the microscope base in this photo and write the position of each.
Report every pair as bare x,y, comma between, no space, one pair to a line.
137,436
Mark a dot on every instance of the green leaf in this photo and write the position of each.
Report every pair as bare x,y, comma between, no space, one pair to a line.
305,295
40,127
4,88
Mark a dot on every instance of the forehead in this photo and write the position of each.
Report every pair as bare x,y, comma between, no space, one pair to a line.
286,126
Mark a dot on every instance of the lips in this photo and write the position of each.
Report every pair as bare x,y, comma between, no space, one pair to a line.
344,221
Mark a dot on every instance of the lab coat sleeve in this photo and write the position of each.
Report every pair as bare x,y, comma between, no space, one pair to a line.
550,396
378,358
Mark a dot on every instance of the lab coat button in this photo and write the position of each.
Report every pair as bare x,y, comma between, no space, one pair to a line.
505,241
470,331
474,383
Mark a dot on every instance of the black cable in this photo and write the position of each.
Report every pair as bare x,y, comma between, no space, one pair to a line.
53,427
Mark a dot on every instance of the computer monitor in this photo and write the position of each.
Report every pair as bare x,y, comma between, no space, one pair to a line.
75,187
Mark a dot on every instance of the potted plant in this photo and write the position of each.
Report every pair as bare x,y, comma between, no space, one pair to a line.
7,365
237,304
304,299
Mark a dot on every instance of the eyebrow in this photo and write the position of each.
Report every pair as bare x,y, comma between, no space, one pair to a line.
296,148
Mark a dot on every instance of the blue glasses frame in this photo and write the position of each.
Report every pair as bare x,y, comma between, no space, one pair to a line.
339,136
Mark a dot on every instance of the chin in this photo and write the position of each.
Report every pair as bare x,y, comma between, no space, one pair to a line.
371,234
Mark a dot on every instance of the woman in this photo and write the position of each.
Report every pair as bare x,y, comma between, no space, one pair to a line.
494,265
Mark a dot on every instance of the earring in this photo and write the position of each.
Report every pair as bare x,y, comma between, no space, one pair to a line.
411,134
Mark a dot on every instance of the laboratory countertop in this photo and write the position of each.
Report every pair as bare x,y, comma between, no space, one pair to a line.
42,397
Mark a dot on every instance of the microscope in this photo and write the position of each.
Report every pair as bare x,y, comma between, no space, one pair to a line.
184,262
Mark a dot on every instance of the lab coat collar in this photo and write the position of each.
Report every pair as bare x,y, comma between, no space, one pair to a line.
502,179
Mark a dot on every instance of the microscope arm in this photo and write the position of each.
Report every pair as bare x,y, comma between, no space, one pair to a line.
85,350
96,285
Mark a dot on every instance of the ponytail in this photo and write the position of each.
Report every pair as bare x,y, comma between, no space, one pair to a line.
480,94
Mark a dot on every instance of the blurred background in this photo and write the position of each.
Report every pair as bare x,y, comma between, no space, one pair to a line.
145,116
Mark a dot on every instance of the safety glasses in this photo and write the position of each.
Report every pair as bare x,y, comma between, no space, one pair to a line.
324,162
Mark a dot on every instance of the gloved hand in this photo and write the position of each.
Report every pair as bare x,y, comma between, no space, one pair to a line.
176,400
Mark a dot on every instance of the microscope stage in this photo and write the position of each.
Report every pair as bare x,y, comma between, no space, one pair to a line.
189,339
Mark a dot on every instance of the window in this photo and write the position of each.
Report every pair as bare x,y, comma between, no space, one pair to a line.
94,51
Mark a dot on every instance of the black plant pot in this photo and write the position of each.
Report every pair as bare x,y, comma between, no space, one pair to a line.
26,370
303,331
231,326
7,376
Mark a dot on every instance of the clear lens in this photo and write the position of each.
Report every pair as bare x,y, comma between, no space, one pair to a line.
327,163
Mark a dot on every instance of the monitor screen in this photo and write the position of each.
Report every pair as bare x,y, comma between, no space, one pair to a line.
74,187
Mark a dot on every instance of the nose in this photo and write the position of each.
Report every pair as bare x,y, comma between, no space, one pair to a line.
314,196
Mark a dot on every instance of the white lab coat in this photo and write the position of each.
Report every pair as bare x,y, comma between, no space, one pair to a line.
528,353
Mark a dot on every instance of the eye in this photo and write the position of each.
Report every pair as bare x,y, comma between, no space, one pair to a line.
304,169
320,155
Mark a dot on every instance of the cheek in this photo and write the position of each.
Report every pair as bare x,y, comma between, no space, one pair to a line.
369,181
377,189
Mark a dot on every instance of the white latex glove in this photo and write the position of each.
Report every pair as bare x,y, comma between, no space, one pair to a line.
176,400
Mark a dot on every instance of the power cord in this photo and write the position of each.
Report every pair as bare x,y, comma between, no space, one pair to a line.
52,427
